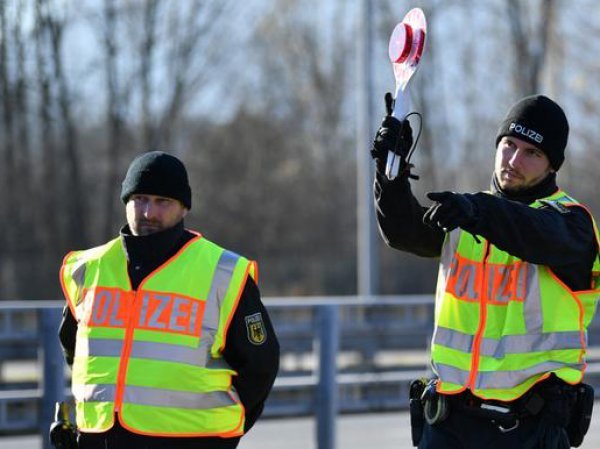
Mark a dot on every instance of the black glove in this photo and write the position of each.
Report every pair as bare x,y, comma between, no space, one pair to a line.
450,211
63,434
393,135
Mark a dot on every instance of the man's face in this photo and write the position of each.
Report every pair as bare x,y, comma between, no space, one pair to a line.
519,164
147,214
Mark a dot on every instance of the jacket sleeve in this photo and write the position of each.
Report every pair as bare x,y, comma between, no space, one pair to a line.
400,218
562,238
256,364
67,333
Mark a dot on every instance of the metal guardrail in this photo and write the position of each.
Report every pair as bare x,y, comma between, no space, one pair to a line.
29,330
381,342
339,354
313,332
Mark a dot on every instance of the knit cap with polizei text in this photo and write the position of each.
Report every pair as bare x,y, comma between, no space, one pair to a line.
540,121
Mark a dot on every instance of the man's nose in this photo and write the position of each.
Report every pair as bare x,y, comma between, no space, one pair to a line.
148,210
515,159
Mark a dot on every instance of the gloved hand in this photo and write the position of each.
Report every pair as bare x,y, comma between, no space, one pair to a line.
62,433
450,211
393,135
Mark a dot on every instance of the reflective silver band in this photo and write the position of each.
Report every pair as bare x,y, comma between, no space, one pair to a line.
94,393
509,344
199,356
448,373
499,379
154,396
510,379
78,274
221,281
154,351
532,306
180,399
98,347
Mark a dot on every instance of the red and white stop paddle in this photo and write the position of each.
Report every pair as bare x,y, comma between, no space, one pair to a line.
405,49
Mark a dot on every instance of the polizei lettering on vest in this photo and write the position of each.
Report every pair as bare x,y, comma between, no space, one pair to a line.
503,283
171,313
156,311
524,131
108,308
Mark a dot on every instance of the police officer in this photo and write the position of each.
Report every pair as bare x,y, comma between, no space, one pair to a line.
517,287
169,343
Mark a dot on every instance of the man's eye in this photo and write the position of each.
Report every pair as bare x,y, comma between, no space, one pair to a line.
139,199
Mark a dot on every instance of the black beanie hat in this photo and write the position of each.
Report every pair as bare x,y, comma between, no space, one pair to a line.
157,173
538,120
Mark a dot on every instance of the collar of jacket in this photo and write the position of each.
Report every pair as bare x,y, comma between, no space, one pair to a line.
544,188
151,250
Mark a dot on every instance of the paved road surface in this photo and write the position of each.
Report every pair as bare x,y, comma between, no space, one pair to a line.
376,430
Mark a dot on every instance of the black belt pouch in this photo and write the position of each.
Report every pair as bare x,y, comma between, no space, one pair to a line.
417,416
581,414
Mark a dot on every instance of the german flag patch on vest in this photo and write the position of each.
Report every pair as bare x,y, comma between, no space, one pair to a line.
257,334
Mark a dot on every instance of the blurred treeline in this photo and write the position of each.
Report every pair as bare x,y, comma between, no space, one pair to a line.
259,99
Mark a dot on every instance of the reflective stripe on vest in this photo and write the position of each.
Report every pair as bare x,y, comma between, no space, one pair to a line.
503,324
157,350
500,380
154,397
509,344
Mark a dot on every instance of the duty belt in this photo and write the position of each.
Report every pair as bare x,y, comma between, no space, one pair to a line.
505,415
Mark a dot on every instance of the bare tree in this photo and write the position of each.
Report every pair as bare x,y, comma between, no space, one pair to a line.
311,166
283,76
21,110
8,150
8,155
530,46
72,182
194,52
114,113
147,61
314,71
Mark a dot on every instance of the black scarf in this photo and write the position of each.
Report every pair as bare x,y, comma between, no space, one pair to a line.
145,253
541,190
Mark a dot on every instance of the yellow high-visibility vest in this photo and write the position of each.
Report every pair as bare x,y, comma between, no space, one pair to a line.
503,324
154,355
